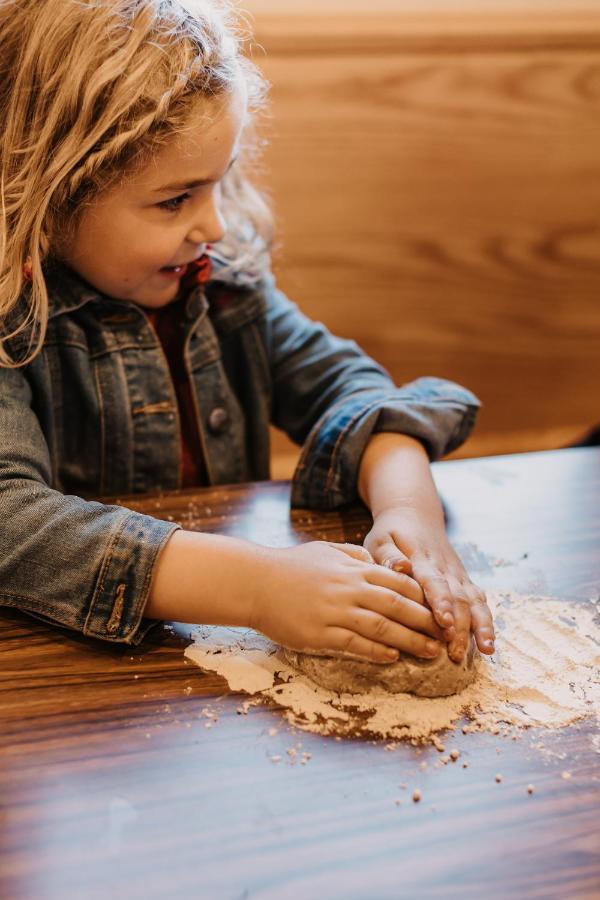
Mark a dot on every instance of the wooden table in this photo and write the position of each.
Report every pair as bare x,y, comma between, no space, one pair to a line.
112,786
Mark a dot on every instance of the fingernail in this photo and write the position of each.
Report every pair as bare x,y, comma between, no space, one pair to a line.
448,618
392,655
431,648
489,644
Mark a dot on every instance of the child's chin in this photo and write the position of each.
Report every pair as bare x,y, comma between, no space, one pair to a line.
158,296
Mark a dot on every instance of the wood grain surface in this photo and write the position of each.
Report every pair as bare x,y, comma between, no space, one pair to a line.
112,786
435,170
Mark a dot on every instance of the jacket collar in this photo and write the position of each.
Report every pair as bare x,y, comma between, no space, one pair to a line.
66,289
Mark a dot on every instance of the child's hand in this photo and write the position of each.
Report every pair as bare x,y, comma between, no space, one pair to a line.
404,543
332,598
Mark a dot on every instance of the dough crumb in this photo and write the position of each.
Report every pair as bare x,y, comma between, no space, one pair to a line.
416,796
530,789
498,778
454,754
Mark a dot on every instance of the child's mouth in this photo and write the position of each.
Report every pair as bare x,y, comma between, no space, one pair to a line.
173,271
174,268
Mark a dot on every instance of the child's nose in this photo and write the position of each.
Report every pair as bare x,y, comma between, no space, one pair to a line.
211,228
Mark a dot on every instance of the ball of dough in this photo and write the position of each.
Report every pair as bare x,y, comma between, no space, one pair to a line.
439,677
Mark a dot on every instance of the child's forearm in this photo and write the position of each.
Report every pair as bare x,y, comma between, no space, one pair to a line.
205,578
395,474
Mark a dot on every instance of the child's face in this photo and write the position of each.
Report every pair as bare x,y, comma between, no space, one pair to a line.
129,234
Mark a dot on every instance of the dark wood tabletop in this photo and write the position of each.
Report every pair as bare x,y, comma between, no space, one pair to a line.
112,786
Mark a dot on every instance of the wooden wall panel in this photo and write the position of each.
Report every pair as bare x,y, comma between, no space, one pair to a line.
439,202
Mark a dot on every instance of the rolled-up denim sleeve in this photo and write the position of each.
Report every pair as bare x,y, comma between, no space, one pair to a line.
329,396
73,562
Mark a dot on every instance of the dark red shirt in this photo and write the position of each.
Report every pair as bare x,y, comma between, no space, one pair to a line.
169,324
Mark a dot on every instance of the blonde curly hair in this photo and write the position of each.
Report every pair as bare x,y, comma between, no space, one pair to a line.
89,89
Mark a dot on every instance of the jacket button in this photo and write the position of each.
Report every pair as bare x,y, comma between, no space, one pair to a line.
218,419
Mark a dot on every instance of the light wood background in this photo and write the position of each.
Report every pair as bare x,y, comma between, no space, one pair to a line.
435,169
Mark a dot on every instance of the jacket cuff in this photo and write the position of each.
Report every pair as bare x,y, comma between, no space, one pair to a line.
123,585
436,412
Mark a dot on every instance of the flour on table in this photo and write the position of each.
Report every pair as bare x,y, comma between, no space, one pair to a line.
545,673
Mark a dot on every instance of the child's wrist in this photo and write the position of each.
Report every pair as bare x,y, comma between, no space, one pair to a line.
205,578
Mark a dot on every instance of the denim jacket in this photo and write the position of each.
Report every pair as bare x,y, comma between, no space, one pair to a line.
95,414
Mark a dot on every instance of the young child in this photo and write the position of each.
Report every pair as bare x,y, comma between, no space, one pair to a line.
145,346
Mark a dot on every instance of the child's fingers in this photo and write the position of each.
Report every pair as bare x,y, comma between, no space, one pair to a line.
397,582
356,551
387,554
462,629
471,613
438,595
404,611
382,575
483,625
379,628
348,644
398,562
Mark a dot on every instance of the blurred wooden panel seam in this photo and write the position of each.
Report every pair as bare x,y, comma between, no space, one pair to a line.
425,27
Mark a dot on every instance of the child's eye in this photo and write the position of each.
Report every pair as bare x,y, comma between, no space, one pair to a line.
174,203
